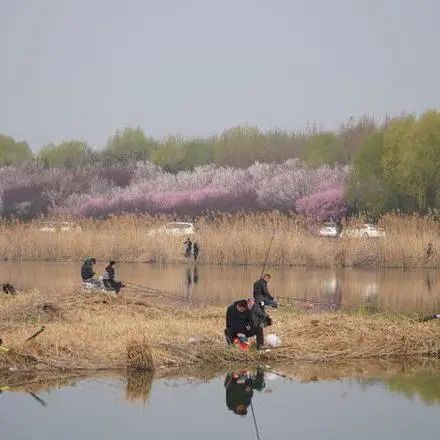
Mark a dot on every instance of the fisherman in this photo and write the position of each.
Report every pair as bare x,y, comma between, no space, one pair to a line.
188,247
238,321
261,292
195,250
259,320
239,389
87,272
108,278
244,319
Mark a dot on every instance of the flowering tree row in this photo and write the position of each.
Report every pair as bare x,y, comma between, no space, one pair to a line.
142,187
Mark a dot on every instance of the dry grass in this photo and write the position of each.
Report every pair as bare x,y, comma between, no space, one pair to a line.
139,356
228,239
98,332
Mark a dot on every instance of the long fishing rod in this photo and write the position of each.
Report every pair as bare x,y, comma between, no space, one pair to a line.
311,301
268,250
321,303
156,292
149,289
352,306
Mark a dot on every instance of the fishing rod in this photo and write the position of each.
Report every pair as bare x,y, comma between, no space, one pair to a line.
268,250
322,303
355,307
151,289
311,301
156,292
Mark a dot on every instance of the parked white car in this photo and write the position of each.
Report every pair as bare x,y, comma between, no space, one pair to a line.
365,231
59,227
328,230
175,228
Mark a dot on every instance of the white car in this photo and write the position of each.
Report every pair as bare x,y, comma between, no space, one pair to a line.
328,230
365,231
59,227
175,228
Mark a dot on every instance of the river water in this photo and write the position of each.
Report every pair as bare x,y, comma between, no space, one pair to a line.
396,406
401,291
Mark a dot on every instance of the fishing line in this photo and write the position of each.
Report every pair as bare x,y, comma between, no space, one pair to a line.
255,421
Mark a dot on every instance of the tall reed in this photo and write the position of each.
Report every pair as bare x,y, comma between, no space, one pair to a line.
228,239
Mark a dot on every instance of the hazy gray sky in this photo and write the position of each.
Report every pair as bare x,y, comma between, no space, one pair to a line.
83,68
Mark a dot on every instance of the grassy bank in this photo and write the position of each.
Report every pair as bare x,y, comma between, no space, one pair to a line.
237,239
98,332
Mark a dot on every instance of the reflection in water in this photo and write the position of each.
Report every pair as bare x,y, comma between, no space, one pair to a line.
192,278
138,386
314,290
426,387
38,399
240,386
407,397
429,281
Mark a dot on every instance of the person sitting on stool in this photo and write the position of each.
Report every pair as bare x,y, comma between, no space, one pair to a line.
108,278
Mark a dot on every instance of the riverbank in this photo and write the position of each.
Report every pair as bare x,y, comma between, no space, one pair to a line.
228,240
137,332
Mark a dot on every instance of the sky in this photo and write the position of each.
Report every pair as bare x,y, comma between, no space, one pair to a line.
83,69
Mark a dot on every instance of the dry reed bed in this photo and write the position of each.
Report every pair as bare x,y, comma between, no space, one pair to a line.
227,239
95,332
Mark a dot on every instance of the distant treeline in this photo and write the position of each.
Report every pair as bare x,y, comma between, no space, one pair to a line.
238,147
389,166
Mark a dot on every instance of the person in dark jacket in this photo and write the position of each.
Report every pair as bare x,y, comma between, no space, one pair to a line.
238,320
261,292
188,247
108,278
259,320
245,319
195,250
87,272
240,388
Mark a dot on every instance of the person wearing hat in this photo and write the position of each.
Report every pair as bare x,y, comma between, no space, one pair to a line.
108,278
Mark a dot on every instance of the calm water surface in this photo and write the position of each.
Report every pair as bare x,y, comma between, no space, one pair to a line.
405,291
396,407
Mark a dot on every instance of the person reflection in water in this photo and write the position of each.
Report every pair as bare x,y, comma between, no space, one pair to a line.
192,276
240,386
196,275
